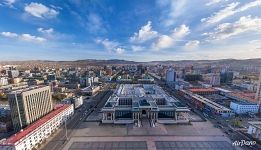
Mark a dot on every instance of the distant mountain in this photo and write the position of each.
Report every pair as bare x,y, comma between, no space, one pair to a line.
226,62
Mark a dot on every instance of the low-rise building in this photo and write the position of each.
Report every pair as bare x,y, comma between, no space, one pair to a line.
77,101
91,90
33,135
254,129
204,104
242,107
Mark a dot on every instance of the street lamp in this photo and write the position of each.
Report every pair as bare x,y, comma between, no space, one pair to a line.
66,134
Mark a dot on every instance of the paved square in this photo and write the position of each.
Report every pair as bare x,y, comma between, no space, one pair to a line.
120,145
195,145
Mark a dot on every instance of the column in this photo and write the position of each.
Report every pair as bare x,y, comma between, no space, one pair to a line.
176,117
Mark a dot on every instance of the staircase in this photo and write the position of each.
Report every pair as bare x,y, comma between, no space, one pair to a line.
145,123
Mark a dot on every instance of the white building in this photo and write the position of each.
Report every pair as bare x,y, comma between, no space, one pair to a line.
3,81
244,107
34,134
170,75
254,129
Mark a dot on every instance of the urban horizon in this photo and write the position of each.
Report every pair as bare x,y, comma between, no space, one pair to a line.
130,74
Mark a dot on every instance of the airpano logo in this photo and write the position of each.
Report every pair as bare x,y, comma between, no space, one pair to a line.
244,142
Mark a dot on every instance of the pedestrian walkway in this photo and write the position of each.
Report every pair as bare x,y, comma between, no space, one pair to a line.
155,142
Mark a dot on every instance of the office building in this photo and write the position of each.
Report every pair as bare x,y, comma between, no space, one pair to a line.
35,134
170,75
214,79
141,103
28,105
13,73
242,107
226,77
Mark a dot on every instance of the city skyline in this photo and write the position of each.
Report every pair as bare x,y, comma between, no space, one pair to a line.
130,30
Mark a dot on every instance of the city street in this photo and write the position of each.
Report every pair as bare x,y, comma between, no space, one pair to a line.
80,115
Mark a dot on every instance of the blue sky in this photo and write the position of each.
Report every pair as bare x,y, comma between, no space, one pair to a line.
139,30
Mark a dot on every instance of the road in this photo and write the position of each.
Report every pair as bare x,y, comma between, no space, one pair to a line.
87,108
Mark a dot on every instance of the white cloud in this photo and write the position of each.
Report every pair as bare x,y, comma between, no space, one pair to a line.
24,37
94,23
8,2
163,42
9,34
137,48
172,10
45,31
111,46
192,44
168,41
244,24
211,2
145,33
119,50
181,31
41,11
31,38
230,10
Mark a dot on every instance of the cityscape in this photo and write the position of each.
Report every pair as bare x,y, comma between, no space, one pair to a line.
130,75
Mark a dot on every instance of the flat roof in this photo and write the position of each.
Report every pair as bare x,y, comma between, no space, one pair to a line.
203,90
255,123
19,135
27,89
222,90
244,95
206,101
243,103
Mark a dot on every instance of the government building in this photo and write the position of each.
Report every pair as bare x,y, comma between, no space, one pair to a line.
138,103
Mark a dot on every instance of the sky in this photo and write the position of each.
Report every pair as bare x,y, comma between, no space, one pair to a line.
138,30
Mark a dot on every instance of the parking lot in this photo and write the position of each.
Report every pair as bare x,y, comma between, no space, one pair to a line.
120,145
195,145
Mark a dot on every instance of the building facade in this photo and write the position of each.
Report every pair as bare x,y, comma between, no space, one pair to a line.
254,129
35,134
258,92
244,107
28,105
170,75
138,103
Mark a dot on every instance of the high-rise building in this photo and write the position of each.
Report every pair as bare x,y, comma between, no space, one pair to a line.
13,73
170,75
215,79
226,77
258,92
28,105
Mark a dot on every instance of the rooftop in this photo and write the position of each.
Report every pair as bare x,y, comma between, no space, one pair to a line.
24,132
245,96
27,89
203,90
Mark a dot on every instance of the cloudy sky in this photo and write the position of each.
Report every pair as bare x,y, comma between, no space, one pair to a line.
140,30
